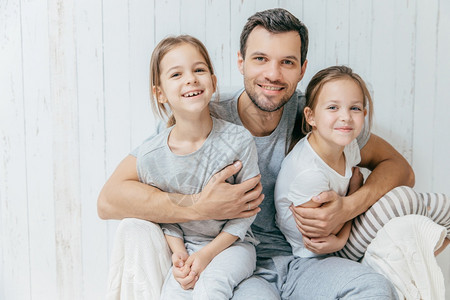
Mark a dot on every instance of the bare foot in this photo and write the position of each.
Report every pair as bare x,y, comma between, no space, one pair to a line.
444,244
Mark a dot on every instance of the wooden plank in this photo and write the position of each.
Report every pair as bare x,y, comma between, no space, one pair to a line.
441,136
395,84
167,10
425,89
14,258
91,105
193,18
116,57
383,66
337,32
217,40
39,134
360,38
66,162
141,43
316,24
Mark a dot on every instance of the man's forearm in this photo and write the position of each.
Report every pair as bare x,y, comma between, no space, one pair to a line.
124,196
133,199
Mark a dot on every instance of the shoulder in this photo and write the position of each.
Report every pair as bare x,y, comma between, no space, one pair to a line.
153,143
353,153
223,105
232,132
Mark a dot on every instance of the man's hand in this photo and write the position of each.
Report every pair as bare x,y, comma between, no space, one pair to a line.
221,200
182,272
323,220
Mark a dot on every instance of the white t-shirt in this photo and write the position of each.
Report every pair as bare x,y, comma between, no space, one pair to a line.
303,175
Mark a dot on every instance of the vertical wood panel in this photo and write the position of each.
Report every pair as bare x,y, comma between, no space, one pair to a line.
317,38
425,89
218,40
89,48
66,153
116,57
441,136
14,262
167,10
360,38
39,134
193,18
337,36
141,44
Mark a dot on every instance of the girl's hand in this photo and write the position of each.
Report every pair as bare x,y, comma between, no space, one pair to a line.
330,243
324,245
198,261
181,272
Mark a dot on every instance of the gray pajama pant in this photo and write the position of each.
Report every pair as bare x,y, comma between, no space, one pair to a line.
220,277
399,202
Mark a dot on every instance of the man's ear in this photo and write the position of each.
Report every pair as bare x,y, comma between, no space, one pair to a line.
303,69
240,62
158,94
309,116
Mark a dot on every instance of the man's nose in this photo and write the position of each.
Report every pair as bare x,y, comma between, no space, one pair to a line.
273,71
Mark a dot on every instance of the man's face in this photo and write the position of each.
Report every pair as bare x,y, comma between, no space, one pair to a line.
271,67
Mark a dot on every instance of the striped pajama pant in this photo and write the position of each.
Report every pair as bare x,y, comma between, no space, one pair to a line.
401,201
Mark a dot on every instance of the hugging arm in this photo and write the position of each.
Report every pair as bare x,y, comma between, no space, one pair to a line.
389,170
123,196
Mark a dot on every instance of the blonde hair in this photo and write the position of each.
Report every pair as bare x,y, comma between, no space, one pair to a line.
163,47
315,87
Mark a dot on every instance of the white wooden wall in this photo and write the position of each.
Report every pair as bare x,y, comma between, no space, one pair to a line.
74,101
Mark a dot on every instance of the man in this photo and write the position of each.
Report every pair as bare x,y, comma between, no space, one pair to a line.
272,59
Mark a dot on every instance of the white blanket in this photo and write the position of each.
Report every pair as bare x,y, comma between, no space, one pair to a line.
403,251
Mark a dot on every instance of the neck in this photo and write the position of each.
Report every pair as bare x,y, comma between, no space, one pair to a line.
189,134
332,155
258,122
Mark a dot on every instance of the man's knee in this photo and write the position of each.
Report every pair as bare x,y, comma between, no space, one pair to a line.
370,285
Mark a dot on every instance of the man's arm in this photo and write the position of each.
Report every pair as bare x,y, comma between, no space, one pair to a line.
123,196
389,170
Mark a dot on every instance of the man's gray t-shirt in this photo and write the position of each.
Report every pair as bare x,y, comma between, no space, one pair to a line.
188,174
271,152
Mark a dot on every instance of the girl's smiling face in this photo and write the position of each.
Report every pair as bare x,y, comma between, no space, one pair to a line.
338,116
186,82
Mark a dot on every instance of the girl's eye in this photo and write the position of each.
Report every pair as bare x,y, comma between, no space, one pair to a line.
200,70
332,107
356,108
175,75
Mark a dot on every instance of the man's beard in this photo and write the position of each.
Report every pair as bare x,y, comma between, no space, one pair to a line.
254,98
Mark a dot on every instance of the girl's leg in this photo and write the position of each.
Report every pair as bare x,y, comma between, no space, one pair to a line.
225,272
172,290
399,202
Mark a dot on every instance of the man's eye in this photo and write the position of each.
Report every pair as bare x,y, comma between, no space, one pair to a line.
287,62
259,58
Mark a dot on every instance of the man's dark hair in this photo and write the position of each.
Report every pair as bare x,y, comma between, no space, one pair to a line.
276,20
